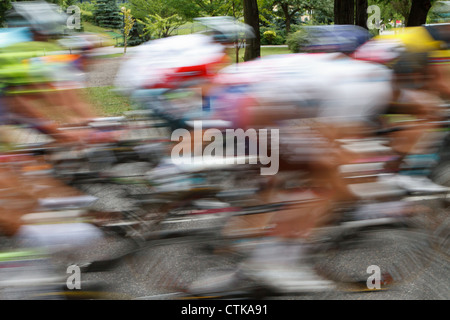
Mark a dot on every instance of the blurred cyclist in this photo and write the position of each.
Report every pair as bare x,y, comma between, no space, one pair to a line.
43,93
419,62
314,100
343,98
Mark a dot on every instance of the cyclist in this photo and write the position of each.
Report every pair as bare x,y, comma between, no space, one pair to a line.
419,90
308,98
41,89
43,93
343,97
28,84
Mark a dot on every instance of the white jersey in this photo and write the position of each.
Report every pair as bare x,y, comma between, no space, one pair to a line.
337,88
152,61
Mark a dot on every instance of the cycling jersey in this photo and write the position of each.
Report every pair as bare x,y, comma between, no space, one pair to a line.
327,86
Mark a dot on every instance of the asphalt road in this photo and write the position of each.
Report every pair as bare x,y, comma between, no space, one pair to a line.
160,271
423,271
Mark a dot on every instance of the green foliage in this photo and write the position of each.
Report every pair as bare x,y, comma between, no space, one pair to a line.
393,10
396,9
269,36
87,6
214,7
64,4
164,8
39,47
128,23
160,27
279,39
87,16
265,51
5,5
137,34
160,18
279,14
296,40
107,14
323,12
374,32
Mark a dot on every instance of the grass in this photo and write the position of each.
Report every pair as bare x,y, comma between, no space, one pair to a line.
110,35
188,28
265,51
106,56
37,47
106,102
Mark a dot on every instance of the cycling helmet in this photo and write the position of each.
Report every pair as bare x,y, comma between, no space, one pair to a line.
387,48
226,29
334,38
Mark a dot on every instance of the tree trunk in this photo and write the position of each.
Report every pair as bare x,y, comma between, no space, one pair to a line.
344,11
251,17
288,24
361,13
287,16
236,43
419,12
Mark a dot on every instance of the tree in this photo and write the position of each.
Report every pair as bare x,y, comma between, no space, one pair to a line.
213,8
289,8
290,12
344,11
251,17
160,27
64,4
414,12
137,34
361,13
128,23
160,18
5,5
419,12
107,14
402,7
186,9
266,13
393,9
322,11
236,11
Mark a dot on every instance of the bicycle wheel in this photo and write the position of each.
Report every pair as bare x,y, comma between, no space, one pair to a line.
165,266
398,253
